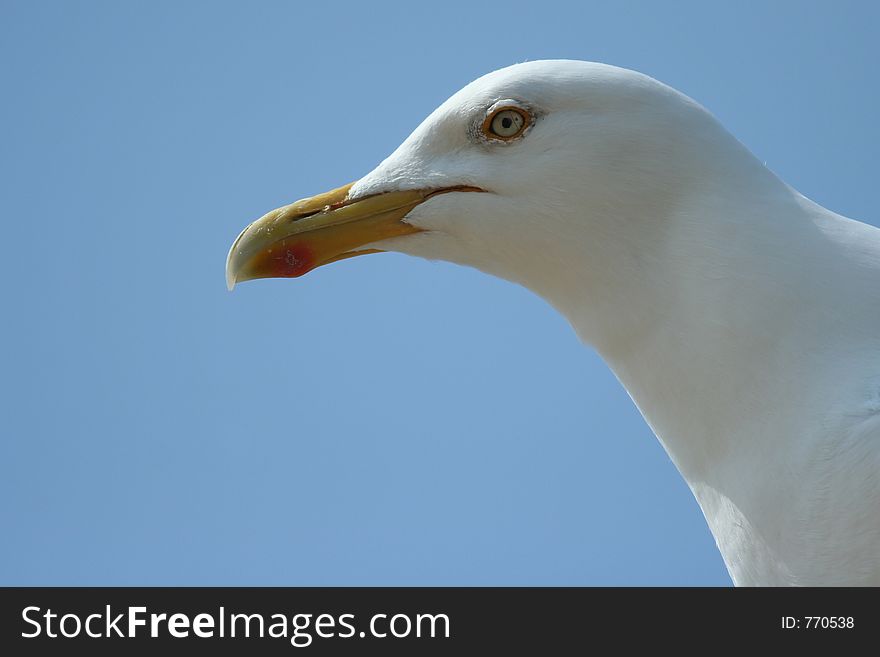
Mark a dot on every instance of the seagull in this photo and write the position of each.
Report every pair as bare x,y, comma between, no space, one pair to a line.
742,318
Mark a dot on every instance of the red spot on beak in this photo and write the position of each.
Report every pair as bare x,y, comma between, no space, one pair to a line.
290,260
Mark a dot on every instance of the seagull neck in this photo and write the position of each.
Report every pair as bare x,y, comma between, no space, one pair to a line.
720,323
722,326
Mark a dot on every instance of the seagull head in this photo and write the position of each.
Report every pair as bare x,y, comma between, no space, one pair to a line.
740,316
563,176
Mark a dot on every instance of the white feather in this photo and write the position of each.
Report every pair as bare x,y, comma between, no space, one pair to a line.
742,318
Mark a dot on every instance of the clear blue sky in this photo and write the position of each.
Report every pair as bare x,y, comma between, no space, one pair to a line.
383,420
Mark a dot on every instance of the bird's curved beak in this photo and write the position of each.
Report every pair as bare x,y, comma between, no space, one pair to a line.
294,239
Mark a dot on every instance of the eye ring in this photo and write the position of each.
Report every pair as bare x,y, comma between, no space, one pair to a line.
506,123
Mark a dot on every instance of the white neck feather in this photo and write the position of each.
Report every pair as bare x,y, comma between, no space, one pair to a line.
721,319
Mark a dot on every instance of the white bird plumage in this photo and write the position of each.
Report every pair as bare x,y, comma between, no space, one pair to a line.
742,318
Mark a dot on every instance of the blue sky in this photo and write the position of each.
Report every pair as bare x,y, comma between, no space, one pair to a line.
382,420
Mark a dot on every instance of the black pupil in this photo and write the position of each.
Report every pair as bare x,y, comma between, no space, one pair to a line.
506,122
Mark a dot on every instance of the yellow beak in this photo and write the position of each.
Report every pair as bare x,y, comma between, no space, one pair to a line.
294,239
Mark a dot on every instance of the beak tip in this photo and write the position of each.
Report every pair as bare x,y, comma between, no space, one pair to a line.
230,277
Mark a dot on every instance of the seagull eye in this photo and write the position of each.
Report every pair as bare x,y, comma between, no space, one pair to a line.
506,123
